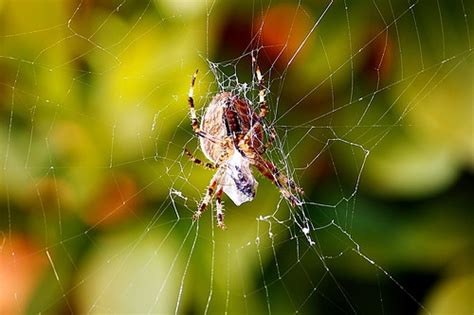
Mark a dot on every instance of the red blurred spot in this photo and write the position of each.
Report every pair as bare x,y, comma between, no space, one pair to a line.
21,266
116,201
283,31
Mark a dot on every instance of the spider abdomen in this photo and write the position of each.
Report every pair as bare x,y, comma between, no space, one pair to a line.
228,116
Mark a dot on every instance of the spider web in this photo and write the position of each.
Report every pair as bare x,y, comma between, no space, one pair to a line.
98,195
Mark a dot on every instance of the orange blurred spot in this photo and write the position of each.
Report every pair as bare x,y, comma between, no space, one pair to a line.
21,266
283,30
116,201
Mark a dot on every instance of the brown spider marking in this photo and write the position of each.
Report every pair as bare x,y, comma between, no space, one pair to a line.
231,137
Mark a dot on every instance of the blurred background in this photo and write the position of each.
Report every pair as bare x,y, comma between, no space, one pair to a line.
372,104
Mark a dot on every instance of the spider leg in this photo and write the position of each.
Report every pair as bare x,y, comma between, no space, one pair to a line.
194,120
207,165
209,193
284,185
269,142
220,208
261,91
270,171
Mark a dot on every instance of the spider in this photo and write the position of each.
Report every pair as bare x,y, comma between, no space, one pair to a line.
231,137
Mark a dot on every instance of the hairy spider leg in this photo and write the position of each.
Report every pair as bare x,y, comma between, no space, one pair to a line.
213,185
270,171
210,192
207,165
269,142
220,208
263,110
261,92
194,120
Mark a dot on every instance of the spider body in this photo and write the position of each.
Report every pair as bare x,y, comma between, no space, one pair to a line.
231,136
228,119
229,116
